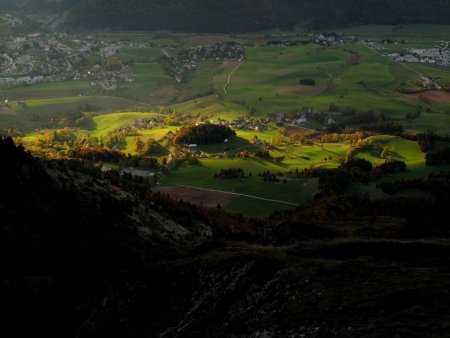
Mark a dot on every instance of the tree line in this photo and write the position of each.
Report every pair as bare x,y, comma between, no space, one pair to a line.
206,133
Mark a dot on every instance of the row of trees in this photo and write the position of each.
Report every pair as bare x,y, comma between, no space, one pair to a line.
436,184
230,173
438,157
336,181
427,142
307,82
148,148
95,154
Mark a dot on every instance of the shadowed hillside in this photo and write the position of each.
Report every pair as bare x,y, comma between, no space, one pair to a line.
86,255
235,16
254,15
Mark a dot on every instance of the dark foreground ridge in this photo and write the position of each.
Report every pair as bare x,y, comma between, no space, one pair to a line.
89,255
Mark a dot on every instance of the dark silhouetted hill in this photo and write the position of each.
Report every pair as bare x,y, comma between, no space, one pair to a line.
86,255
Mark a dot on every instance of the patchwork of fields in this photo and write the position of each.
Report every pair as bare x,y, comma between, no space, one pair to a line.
252,195
347,76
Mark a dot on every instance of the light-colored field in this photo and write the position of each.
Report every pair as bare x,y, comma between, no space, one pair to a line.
268,81
101,125
31,114
399,149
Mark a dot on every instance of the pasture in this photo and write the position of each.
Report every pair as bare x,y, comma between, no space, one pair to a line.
294,191
351,76
346,76
268,81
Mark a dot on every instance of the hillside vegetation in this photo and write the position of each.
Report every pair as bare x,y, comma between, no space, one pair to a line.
255,15
235,16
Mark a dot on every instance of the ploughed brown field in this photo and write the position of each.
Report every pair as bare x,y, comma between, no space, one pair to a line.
434,96
230,64
196,196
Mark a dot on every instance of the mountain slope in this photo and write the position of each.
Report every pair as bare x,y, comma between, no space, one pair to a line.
64,234
86,255
40,6
252,15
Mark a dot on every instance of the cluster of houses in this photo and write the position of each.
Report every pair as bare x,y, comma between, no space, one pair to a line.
107,79
39,57
242,123
187,61
263,123
328,40
247,123
23,80
141,124
285,119
439,55
110,48
403,58
218,52
10,19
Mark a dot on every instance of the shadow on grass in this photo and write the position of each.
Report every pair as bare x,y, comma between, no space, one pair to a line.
88,124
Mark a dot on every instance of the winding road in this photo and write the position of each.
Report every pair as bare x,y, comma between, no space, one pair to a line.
165,53
230,75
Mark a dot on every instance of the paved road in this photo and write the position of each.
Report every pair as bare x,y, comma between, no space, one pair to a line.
243,195
393,61
165,53
230,75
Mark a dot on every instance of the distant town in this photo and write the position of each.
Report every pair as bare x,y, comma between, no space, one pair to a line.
439,55
35,58
39,57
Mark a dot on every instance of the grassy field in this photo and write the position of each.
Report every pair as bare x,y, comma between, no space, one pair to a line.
346,76
202,175
45,90
139,55
283,159
398,148
351,75
268,82
152,85
35,113
101,125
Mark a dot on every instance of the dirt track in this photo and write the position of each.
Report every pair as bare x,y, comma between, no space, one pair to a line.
196,196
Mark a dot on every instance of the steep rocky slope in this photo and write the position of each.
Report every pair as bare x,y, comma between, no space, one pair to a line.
84,255
65,233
